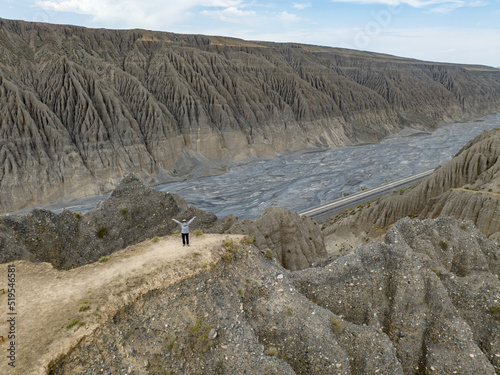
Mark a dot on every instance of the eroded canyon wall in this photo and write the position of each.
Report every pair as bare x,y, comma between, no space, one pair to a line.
80,108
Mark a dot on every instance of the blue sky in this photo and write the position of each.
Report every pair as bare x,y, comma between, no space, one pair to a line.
458,31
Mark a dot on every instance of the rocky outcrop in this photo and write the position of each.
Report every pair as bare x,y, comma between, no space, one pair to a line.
432,286
297,242
467,187
481,207
134,213
81,108
424,301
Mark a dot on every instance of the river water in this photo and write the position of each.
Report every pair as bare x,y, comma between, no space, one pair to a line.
303,180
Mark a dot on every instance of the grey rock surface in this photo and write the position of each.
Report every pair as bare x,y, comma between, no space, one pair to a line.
81,108
432,286
297,242
133,213
424,301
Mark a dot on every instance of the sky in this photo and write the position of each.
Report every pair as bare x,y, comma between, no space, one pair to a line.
456,31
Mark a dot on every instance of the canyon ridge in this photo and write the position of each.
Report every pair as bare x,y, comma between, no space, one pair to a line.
81,108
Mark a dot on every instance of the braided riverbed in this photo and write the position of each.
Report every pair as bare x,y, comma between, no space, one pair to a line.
309,178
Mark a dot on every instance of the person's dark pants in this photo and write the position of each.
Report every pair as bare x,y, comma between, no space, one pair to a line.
185,238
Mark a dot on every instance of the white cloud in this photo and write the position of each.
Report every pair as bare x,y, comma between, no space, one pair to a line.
478,3
451,44
444,44
447,7
231,14
420,3
301,6
150,14
288,17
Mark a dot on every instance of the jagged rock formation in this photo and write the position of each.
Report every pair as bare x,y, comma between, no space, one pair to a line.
432,287
81,108
424,301
467,187
297,242
134,213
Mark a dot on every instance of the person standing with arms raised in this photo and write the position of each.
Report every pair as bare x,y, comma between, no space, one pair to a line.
185,230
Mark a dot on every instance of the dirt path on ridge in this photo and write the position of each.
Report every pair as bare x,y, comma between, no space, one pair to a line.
48,299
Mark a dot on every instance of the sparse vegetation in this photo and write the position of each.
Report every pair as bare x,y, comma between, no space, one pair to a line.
229,252
336,325
77,214
250,239
271,351
199,334
198,232
155,239
269,254
101,232
443,245
169,343
84,307
401,191
436,271
227,257
228,244
288,311
74,322
103,259
241,291
124,211
495,312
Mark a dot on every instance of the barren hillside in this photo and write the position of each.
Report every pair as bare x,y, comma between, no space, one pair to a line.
80,108
424,301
